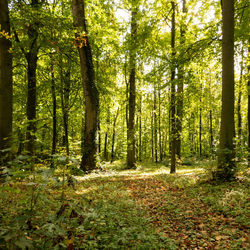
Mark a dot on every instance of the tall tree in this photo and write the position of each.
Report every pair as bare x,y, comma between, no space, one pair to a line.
180,85
248,109
132,91
173,95
30,52
90,90
54,113
226,163
239,122
6,89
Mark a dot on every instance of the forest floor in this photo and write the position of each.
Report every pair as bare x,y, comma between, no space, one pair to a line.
146,208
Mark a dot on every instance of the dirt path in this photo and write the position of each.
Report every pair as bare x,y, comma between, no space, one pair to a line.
187,220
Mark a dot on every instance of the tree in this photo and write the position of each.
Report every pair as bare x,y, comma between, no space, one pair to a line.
132,92
90,90
226,163
173,95
180,86
30,52
5,82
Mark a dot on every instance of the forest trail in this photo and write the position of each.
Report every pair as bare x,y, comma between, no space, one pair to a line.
185,218
146,208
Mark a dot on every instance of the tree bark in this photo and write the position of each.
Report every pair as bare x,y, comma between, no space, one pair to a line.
155,127
31,57
226,163
113,136
105,151
248,109
132,93
200,122
99,137
152,136
173,95
140,130
53,92
180,87
239,127
65,108
211,130
90,90
6,88
159,124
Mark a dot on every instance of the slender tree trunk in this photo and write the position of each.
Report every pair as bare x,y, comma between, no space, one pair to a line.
180,88
6,89
248,109
132,93
90,90
211,130
113,136
140,130
99,137
200,122
159,123
32,58
200,133
20,141
173,96
152,136
155,127
65,109
105,152
126,82
211,119
82,135
31,97
239,132
53,92
226,163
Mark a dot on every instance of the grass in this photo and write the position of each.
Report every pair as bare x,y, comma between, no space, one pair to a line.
145,208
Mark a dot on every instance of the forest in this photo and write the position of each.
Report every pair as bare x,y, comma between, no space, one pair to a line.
124,124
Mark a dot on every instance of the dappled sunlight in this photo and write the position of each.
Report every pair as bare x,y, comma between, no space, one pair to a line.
116,172
81,190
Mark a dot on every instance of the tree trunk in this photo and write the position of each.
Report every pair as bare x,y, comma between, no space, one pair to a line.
132,93
6,89
31,97
155,126
239,130
226,163
65,109
99,138
200,133
180,87
211,119
32,58
211,130
140,130
113,136
173,96
152,136
159,121
105,151
53,92
90,90
248,109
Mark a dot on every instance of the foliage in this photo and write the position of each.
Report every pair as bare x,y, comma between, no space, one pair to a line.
139,209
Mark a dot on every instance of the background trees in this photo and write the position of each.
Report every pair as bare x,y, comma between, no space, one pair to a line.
5,83
178,85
